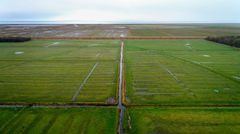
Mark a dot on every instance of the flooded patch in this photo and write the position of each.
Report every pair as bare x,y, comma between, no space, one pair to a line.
19,52
188,46
205,55
216,91
120,27
122,35
236,77
53,44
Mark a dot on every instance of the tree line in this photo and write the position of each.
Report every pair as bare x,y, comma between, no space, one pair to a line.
14,39
228,40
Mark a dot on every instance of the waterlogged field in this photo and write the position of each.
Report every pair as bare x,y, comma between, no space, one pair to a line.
60,120
62,71
181,72
182,121
62,30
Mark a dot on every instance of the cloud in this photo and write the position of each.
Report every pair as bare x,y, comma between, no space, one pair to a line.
120,10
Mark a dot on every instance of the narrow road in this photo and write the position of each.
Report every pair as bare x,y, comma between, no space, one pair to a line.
120,106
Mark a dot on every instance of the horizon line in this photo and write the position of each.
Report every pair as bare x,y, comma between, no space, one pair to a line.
112,22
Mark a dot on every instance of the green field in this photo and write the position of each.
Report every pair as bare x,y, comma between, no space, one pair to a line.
182,121
171,87
46,71
184,30
181,72
58,120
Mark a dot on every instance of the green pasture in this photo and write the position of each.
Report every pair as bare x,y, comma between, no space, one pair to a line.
58,120
181,72
145,120
184,30
49,71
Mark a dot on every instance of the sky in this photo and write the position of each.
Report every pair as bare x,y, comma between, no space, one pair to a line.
122,11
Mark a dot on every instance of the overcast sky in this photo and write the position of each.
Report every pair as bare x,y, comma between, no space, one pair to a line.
121,11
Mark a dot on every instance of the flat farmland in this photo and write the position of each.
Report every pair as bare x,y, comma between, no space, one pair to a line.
150,120
58,120
59,71
119,86
184,30
181,72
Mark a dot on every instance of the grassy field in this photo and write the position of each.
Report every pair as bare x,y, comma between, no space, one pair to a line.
60,120
57,71
199,81
182,120
185,30
181,72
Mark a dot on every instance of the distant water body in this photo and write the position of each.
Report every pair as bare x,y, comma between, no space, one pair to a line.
53,22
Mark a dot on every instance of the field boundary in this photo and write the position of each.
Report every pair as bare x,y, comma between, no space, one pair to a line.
200,105
55,105
69,105
120,38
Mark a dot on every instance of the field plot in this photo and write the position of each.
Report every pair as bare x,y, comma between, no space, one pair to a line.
181,72
59,71
182,120
58,120
184,30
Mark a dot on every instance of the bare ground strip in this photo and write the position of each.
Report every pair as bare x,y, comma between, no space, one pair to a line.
84,82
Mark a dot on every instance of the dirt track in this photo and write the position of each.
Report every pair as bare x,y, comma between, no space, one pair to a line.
83,83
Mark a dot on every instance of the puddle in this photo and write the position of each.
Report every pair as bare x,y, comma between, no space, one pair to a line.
188,46
19,52
236,77
206,55
122,35
55,43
